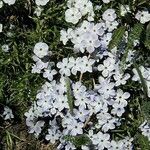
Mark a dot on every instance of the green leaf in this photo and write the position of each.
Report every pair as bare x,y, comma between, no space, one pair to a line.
69,95
78,140
142,142
117,37
143,82
146,110
135,34
147,40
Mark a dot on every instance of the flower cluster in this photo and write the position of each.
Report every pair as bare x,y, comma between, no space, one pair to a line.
75,109
89,36
88,90
106,102
72,65
52,102
11,2
77,9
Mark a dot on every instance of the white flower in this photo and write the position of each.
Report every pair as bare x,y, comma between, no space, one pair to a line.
9,2
148,87
118,109
71,3
72,15
143,16
116,145
81,114
38,11
109,125
105,40
107,67
120,78
111,25
91,41
102,140
1,27
145,128
84,6
75,128
124,9
61,102
36,68
52,135
86,64
64,67
109,15
107,89
98,28
81,99
121,97
106,1
65,35
41,49
7,114
1,4
49,74
41,2
36,128
76,65
5,48
78,88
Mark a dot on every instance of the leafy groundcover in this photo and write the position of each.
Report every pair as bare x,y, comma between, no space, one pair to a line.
74,74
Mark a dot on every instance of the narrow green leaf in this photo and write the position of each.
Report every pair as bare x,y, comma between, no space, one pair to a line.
117,37
147,40
69,95
135,34
145,89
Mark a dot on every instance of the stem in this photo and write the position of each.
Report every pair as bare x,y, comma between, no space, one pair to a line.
87,121
93,83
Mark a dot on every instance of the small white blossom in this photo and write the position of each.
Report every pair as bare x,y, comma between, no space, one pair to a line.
143,16
41,2
38,11
9,2
41,49
1,4
1,27
124,9
109,15
72,15
5,48
7,114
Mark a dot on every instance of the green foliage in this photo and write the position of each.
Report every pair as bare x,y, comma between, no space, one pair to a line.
143,82
79,140
69,95
146,110
142,142
147,40
135,34
117,37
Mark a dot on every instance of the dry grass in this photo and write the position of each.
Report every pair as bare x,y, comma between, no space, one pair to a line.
16,137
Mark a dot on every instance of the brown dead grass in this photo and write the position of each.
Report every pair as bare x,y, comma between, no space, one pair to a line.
22,140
